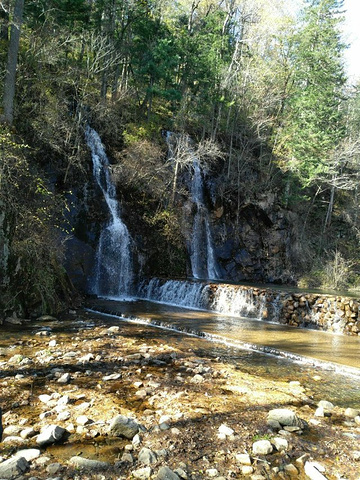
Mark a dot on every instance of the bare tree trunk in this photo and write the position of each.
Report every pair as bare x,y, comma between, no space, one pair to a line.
330,209
10,76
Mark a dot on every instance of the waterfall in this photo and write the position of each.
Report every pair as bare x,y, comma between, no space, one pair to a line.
113,275
201,244
176,292
224,299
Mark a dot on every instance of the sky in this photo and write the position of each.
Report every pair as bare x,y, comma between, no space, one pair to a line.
352,36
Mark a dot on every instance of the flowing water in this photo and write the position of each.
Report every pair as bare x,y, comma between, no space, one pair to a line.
113,268
202,256
257,347
201,245
227,317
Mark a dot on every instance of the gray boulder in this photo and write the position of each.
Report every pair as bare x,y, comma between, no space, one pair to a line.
122,426
51,434
13,467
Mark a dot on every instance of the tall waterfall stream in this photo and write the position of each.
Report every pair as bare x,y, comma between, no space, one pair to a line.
113,269
226,318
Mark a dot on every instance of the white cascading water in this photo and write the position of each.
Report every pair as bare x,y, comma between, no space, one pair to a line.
235,301
202,257
201,245
176,292
224,299
113,274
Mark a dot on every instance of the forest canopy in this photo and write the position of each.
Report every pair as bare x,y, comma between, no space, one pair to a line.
263,83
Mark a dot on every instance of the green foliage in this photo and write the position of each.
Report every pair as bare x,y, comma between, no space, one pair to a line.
313,123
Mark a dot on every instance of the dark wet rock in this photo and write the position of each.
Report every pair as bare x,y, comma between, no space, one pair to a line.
122,426
13,467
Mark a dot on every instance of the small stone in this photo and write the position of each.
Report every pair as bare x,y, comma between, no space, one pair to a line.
122,426
181,473
314,471
197,379
13,439
127,458
291,470
225,430
281,444
327,406
53,468
147,456
87,464
83,420
52,343
142,473
45,398
243,458
113,329
64,379
113,376
28,433
247,470
12,430
212,472
165,473
351,412
286,418
262,447
63,416
51,434
29,454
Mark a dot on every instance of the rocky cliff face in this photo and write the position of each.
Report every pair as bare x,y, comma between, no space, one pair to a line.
254,240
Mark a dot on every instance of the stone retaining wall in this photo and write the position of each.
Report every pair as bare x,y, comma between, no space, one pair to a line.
337,314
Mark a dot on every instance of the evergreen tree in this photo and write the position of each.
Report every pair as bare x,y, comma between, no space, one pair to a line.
313,126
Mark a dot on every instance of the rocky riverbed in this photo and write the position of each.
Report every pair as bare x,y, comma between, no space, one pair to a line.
87,397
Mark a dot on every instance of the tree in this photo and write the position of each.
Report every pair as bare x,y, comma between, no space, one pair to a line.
313,121
10,76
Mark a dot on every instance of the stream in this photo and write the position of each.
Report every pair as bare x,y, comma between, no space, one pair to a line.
258,347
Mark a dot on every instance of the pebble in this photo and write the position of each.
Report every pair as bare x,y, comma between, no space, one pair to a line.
147,456
262,447
165,473
351,412
142,473
81,462
281,444
243,458
225,430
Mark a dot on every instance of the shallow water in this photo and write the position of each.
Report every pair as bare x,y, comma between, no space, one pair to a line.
260,348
